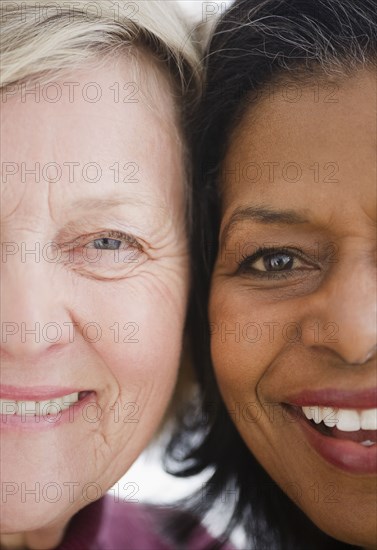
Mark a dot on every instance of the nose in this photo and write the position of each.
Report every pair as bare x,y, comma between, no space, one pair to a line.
34,318
342,315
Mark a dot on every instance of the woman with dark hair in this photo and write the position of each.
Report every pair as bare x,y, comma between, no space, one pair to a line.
284,243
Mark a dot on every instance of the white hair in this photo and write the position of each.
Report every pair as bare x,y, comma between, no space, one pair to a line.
44,38
42,41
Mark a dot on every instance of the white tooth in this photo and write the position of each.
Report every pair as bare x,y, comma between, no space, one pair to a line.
323,412
43,407
312,413
329,416
36,408
308,412
28,408
69,400
7,406
317,414
348,420
368,443
52,407
57,405
369,419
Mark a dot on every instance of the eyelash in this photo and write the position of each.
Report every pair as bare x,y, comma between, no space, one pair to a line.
85,240
246,261
117,235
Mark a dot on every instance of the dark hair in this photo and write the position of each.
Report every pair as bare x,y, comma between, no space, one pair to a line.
255,43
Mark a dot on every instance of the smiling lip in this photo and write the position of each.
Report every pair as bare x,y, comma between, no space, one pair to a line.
344,454
28,421
36,393
341,399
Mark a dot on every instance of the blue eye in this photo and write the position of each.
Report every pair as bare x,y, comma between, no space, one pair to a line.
113,241
107,244
107,254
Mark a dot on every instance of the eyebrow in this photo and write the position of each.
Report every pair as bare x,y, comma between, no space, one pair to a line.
263,215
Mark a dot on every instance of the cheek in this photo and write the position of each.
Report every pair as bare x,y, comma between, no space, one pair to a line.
130,356
138,342
244,339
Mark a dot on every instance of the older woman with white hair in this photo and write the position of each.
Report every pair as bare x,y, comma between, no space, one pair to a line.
95,271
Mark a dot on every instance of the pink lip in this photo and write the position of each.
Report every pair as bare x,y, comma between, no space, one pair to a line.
73,414
364,399
346,455
36,393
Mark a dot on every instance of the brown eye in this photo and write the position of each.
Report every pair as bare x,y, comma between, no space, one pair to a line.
273,262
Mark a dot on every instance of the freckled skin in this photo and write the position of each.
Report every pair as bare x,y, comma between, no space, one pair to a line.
137,299
333,288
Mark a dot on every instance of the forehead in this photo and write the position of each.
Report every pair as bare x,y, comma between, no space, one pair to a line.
97,131
310,149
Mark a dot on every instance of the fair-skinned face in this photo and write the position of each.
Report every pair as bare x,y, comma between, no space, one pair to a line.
110,308
296,325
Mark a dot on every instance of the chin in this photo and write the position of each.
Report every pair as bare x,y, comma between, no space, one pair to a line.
356,525
24,517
